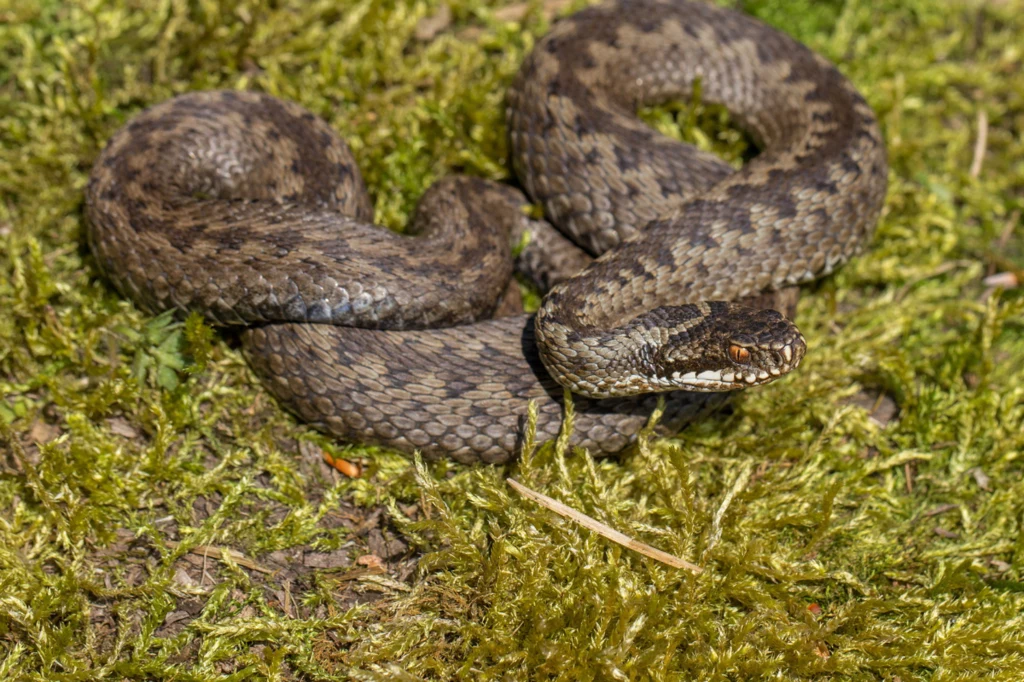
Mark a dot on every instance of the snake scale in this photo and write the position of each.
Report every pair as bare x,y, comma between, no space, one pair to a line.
251,210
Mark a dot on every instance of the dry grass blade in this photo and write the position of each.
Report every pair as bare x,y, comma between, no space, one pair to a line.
601,529
215,552
980,144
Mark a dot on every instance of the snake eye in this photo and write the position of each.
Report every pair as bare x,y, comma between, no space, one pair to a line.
739,355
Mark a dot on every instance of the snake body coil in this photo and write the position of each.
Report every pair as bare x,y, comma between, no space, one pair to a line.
251,210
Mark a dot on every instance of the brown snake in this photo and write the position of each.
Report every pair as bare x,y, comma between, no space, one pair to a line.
251,210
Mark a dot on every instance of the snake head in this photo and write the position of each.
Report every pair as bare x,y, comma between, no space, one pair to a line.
719,346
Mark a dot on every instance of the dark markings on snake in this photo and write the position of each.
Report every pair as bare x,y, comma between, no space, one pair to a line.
251,210
624,159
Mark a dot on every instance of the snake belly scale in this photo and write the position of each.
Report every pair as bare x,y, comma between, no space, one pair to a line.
251,210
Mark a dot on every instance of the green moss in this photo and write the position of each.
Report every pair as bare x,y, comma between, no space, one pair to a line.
859,520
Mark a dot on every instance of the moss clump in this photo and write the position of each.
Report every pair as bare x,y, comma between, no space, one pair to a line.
160,518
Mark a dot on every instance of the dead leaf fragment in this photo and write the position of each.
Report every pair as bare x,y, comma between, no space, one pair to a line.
981,478
120,427
1002,280
428,27
176,616
182,578
43,433
370,561
335,559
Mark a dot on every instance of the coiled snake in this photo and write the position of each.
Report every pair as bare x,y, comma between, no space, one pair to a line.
251,210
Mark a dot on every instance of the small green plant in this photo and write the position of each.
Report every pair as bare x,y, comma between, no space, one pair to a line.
157,351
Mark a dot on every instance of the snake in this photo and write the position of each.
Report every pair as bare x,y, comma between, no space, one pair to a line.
251,210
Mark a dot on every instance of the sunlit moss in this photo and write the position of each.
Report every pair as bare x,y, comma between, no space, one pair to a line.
838,543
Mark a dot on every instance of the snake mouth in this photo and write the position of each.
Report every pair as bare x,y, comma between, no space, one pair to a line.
777,364
716,380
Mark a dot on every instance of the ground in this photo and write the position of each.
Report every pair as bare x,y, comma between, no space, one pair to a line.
162,519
